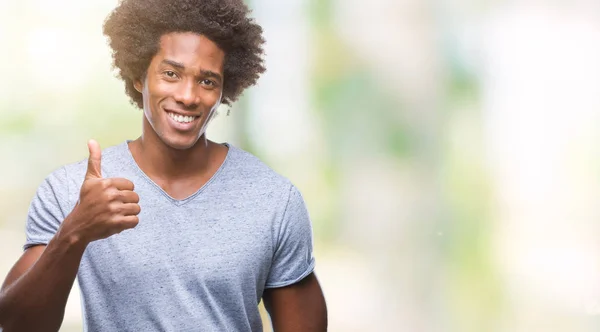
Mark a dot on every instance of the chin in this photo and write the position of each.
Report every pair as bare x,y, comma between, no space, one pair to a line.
180,143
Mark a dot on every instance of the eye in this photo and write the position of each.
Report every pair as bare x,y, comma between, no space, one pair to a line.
207,82
170,74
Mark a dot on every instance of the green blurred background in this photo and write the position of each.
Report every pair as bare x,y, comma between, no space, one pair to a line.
447,150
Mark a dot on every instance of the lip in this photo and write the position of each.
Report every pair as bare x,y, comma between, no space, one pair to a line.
182,126
168,110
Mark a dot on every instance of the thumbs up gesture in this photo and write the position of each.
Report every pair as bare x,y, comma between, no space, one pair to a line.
105,207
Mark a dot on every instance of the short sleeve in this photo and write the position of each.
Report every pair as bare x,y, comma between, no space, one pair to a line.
293,258
47,209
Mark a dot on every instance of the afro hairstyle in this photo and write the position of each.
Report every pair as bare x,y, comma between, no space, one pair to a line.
134,29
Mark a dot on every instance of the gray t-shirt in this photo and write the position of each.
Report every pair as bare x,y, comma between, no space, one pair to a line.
196,264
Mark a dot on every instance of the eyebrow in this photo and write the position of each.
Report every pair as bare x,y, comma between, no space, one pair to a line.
203,72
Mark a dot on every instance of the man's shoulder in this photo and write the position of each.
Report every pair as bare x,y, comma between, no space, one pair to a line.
247,167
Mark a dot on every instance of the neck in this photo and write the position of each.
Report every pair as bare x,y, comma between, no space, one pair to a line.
158,159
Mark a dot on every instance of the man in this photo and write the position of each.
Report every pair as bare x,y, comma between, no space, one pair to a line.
171,231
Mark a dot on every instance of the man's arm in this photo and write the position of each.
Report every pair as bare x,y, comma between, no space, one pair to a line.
35,292
297,308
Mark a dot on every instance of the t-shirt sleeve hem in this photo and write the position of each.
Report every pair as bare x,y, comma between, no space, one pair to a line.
309,270
34,243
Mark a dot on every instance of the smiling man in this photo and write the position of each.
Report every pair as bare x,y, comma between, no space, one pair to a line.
171,231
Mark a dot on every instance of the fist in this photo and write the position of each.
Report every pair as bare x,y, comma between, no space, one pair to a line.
106,206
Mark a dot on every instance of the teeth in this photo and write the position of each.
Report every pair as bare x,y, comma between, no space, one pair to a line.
181,118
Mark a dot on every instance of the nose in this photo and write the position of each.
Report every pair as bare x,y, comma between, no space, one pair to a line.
186,94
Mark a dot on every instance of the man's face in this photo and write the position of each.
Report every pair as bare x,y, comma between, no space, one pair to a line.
182,88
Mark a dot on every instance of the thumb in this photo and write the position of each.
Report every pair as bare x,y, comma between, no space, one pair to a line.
93,168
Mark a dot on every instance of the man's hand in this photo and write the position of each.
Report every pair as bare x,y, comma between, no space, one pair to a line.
105,207
35,292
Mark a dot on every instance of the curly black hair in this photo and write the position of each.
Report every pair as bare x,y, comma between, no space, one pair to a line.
134,29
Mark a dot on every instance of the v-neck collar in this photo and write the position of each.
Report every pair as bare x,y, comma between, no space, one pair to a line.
178,202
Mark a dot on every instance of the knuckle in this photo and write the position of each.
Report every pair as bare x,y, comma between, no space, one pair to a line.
112,195
115,208
105,183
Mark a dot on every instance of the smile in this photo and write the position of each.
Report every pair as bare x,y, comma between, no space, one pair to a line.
181,118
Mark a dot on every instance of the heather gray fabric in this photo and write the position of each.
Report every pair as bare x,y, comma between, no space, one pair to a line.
197,264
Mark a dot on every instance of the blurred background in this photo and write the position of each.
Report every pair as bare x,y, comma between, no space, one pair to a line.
448,151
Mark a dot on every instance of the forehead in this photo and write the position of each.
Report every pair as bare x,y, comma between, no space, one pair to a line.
192,50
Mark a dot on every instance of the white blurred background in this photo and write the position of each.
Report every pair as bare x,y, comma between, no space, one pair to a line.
448,150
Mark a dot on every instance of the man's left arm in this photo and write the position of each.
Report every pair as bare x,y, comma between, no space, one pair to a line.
299,307
292,295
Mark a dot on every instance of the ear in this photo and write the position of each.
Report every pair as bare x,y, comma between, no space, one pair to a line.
137,84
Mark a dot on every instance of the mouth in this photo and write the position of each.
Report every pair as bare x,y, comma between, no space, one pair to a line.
182,122
179,118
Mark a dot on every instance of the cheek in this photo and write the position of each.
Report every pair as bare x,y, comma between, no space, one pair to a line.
210,101
153,95
158,90
215,100
147,106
